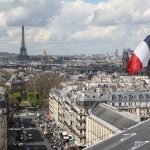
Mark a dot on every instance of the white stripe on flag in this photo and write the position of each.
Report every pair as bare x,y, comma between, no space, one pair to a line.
143,53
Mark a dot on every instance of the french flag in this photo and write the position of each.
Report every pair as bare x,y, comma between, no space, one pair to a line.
140,56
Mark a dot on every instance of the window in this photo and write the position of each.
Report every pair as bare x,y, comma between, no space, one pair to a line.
120,97
130,97
147,96
125,97
141,97
113,97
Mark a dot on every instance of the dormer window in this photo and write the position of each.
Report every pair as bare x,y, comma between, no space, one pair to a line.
125,97
120,97
130,97
113,97
141,97
147,97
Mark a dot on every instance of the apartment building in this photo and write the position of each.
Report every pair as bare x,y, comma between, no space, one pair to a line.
69,109
136,102
134,138
105,121
54,104
3,119
78,122
3,132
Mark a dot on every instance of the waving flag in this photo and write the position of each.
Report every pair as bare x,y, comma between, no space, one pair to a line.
140,56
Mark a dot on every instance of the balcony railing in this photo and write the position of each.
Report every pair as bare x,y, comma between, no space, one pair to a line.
81,127
82,113
82,135
122,107
81,120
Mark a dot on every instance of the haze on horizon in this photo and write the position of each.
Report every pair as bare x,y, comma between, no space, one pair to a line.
73,26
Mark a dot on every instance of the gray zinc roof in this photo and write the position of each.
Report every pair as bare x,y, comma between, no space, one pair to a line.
113,117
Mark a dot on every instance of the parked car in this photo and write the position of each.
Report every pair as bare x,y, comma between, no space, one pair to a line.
30,136
33,124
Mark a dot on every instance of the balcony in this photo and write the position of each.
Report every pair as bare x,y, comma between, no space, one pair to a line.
82,135
74,110
81,120
67,123
68,102
81,127
50,96
66,108
82,113
60,103
122,107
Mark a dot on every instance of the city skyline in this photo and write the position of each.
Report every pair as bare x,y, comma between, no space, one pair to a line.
73,26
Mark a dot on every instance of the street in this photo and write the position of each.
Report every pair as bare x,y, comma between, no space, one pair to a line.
26,134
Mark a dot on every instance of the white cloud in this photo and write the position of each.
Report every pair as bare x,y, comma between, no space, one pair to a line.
2,20
95,32
17,15
121,12
72,18
76,24
30,12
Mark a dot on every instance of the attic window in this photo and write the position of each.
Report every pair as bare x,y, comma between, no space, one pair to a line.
141,97
138,144
113,97
127,136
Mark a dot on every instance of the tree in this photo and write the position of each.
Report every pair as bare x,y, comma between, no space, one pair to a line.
5,74
44,103
43,82
33,98
14,98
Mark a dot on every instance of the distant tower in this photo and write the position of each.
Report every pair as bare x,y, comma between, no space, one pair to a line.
23,55
45,57
125,60
116,53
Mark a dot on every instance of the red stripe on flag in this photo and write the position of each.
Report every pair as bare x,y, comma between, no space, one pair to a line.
134,64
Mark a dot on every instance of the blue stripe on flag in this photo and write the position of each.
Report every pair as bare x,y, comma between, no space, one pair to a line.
147,40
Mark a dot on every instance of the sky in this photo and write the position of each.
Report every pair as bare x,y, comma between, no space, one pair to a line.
70,27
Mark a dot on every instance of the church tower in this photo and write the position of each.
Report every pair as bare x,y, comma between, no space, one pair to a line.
125,60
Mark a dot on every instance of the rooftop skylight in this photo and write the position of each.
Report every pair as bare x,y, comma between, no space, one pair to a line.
127,136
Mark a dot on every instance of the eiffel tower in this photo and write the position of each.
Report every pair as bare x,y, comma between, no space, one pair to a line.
23,55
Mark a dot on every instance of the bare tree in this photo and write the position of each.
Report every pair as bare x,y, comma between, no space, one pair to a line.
43,82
